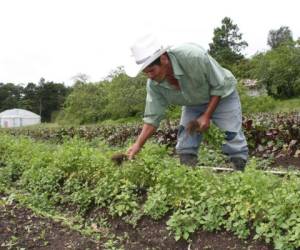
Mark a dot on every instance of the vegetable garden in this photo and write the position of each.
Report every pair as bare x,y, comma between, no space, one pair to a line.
154,202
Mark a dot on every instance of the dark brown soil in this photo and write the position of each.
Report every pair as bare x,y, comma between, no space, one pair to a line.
288,162
150,234
21,228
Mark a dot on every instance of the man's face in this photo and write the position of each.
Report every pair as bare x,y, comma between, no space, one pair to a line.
156,72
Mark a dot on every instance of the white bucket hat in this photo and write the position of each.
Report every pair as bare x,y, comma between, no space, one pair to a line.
145,50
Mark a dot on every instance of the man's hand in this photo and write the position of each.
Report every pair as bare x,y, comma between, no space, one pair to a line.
147,131
133,150
199,125
203,122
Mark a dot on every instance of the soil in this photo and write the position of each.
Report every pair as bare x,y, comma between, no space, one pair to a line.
150,234
288,162
20,228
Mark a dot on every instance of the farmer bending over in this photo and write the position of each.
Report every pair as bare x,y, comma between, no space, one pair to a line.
186,75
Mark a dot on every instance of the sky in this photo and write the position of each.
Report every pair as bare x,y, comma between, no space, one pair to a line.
59,39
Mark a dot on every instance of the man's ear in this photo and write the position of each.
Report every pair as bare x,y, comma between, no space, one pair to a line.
164,59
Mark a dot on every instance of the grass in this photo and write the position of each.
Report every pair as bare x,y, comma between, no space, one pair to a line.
287,105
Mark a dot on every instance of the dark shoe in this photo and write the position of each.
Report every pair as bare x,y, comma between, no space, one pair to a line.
238,163
188,159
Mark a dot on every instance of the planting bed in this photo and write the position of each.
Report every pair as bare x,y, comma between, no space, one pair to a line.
151,202
20,228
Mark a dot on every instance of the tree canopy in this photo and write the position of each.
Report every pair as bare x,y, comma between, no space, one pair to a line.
227,43
44,98
279,36
279,70
118,96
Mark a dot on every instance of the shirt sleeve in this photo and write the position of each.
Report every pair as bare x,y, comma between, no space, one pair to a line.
221,81
156,106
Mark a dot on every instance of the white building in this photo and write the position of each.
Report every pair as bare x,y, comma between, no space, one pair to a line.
254,88
18,118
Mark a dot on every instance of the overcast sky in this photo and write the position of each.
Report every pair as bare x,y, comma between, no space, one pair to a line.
57,39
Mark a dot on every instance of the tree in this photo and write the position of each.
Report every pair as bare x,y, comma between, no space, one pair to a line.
43,99
86,104
117,96
10,96
30,98
227,43
279,71
280,36
51,97
80,78
125,95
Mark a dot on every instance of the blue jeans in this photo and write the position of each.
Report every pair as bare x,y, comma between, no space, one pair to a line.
227,117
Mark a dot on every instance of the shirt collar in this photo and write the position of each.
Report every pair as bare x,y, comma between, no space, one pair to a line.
177,70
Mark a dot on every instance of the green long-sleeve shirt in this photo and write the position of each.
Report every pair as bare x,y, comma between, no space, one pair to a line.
199,77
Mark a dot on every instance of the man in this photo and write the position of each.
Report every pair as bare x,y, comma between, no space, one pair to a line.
186,75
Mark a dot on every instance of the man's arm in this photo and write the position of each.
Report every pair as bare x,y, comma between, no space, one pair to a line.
146,133
212,105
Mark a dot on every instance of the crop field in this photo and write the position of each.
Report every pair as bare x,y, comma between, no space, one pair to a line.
60,189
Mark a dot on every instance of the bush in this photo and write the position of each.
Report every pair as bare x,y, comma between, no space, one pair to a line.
255,104
85,104
279,71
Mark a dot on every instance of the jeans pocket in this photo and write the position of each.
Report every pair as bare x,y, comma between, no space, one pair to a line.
180,130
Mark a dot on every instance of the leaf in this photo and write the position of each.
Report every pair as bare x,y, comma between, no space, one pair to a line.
186,235
177,237
297,153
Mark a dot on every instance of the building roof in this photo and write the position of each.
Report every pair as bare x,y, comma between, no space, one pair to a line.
22,113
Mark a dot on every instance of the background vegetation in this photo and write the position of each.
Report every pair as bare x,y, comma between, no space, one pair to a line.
118,96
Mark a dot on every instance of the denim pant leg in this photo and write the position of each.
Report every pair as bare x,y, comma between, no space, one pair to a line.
228,117
235,145
189,143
